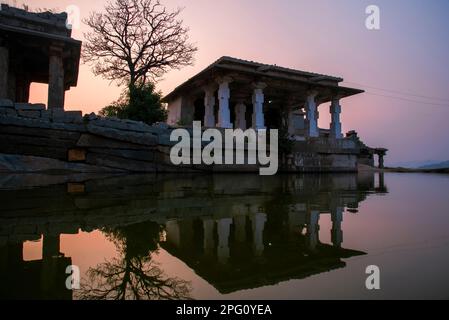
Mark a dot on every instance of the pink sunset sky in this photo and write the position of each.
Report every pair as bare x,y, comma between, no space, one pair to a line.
403,66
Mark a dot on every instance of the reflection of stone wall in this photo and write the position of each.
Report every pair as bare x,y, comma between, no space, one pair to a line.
63,209
239,228
32,280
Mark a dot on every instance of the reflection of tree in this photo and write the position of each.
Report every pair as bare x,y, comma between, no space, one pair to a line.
133,275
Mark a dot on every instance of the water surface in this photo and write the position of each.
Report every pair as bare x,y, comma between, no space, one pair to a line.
225,236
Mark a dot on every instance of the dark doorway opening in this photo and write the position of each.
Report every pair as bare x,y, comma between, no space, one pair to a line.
199,112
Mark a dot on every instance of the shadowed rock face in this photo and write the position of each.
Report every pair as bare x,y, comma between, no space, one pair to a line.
235,231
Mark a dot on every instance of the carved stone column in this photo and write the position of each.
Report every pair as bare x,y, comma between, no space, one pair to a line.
240,116
258,101
56,90
224,94
335,128
209,105
312,115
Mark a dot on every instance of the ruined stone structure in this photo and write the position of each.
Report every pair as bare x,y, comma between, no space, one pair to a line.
366,154
240,94
36,47
234,93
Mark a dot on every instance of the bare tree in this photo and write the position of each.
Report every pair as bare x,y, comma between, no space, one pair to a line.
136,278
136,41
134,274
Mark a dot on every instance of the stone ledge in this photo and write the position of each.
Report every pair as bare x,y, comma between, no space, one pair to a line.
94,141
9,112
20,163
33,114
6,103
40,123
29,106
121,135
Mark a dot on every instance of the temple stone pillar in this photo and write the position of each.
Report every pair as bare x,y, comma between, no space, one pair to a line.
209,242
258,221
335,128
381,152
240,228
337,232
240,116
312,115
50,246
56,90
313,229
4,68
223,230
22,90
173,233
258,101
291,122
15,253
381,161
209,105
11,85
224,94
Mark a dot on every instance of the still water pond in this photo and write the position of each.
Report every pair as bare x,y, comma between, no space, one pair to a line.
225,236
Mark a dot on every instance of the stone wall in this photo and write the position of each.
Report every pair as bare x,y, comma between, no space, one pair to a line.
132,199
71,142
67,136
322,155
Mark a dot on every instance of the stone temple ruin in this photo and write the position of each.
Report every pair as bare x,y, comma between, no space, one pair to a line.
38,47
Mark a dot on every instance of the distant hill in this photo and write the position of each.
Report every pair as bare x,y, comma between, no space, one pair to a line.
441,165
413,164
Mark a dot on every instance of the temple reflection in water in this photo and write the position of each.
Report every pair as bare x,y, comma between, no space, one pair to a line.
235,231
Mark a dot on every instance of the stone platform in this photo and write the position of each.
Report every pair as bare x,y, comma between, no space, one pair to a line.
33,139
